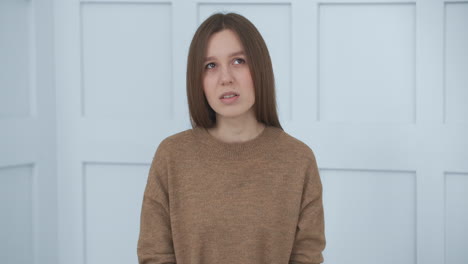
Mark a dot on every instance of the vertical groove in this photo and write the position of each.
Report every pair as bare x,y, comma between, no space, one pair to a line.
291,61
415,67
83,200
32,85
318,62
173,104
34,204
82,77
444,63
445,217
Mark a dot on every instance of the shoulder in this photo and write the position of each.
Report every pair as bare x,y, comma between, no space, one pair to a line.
177,142
295,147
178,137
167,149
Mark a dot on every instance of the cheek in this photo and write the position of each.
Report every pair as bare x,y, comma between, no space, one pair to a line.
248,81
250,84
246,77
208,86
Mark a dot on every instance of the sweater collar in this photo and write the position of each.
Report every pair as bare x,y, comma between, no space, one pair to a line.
214,147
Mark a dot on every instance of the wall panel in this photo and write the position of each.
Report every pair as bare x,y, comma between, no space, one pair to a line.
126,59
369,211
456,62
16,54
367,63
112,205
456,218
16,221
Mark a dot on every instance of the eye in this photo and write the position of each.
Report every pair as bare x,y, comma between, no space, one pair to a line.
210,65
239,61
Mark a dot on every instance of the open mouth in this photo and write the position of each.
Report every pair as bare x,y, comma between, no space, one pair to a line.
228,95
228,99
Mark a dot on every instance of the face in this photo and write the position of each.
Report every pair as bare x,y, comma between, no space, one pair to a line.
226,70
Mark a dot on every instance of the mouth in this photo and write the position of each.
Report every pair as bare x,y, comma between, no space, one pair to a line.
228,95
229,99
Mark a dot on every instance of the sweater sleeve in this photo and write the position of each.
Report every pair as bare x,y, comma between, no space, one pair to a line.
155,244
310,232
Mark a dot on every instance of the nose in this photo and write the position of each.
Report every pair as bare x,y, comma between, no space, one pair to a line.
226,76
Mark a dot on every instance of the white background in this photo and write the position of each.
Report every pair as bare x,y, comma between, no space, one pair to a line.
378,89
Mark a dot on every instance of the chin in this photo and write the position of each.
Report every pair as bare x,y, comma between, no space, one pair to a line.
232,114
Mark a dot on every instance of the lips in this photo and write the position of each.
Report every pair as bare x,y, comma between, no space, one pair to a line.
228,93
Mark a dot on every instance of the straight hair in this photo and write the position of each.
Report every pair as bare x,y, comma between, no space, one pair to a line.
260,66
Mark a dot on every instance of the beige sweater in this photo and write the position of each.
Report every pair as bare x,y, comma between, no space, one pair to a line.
212,202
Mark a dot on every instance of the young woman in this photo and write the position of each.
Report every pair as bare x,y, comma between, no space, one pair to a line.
236,188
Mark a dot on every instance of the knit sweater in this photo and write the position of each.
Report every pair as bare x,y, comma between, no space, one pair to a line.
211,202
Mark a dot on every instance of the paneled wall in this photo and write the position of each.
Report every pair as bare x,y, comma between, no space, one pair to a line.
377,89
28,184
16,196
136,40
366,63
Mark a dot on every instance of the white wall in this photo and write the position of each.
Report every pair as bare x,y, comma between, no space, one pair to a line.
28,179
377,89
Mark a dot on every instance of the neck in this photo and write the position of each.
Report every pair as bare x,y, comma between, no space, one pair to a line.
238,129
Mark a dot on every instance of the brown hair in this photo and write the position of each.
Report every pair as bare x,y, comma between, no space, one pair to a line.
260,67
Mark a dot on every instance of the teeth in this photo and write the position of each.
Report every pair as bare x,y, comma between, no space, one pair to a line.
229,96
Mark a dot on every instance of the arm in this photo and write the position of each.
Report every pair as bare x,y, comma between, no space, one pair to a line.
155,240
310,234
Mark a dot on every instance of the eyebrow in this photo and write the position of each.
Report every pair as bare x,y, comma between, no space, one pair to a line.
241,52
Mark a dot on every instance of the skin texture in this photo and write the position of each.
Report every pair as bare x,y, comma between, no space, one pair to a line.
226,69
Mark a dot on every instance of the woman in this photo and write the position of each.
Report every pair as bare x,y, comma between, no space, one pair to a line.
235,188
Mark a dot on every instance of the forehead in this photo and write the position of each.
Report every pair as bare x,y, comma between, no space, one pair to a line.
223,43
